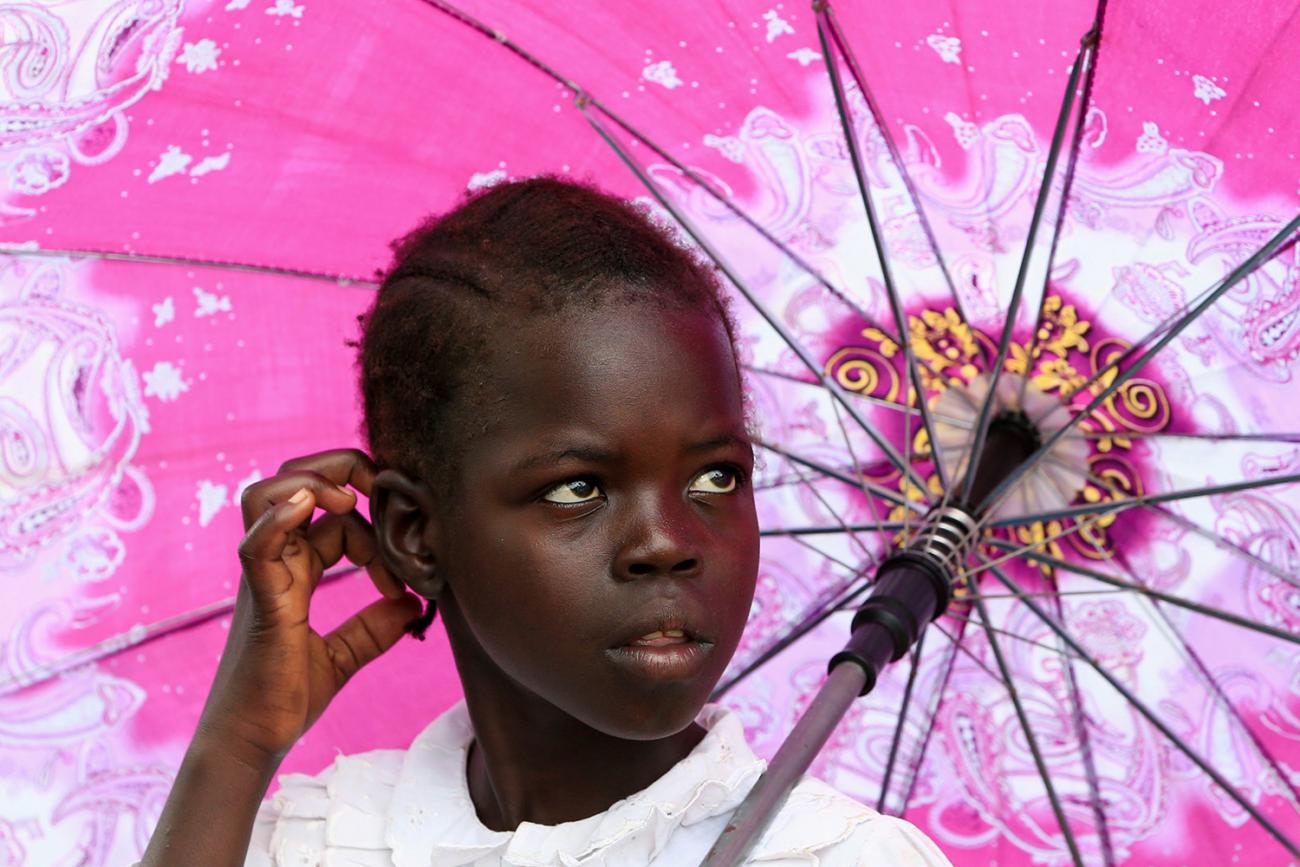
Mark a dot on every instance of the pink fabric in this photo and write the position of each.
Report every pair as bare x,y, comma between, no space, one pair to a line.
136,400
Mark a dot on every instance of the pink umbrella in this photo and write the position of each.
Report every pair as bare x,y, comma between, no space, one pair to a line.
198,195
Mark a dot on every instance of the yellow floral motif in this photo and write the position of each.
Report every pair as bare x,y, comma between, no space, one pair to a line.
944,344
1044,537
1062,330
951,353
1058,375
888,348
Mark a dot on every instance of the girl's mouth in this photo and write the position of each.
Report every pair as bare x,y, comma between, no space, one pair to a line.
666,650
662,656
661,638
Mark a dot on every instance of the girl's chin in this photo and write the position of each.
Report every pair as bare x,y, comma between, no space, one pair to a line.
651,719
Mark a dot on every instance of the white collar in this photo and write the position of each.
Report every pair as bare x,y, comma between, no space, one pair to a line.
432,822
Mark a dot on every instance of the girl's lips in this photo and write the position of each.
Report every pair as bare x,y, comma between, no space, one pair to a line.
661,638
671,659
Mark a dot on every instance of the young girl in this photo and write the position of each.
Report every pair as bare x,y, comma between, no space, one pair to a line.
562,471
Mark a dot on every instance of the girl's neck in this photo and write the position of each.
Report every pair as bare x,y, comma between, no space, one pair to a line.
532,762
550,771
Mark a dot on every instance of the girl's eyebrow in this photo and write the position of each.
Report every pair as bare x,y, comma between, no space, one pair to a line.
726,440
594,455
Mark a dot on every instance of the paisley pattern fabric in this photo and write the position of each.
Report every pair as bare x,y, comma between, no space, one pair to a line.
257,157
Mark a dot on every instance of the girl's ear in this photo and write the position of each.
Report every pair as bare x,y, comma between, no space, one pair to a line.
404,513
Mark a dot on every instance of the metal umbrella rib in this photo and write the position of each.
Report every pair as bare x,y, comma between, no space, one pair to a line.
882,257
1027,729
1008,328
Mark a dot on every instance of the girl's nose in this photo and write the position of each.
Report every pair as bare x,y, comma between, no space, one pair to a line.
659,543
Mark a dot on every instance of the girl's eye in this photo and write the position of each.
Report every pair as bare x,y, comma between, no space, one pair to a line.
572,492
718,480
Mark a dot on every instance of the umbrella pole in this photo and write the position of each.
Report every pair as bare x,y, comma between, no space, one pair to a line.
764,801
912,588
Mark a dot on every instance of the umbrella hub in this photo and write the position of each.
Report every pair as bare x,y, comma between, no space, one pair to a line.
1022,417
1012,438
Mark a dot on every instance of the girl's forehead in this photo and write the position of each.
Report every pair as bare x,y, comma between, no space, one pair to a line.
618,369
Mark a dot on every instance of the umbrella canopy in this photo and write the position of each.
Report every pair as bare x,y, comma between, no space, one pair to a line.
197,195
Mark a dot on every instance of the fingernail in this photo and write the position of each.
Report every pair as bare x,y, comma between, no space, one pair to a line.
299,497
344,488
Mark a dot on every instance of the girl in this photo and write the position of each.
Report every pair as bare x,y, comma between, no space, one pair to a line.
562,471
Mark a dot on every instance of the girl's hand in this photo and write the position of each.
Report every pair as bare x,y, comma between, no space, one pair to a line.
277,674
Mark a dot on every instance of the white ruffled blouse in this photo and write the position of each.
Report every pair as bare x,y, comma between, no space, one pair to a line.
412,809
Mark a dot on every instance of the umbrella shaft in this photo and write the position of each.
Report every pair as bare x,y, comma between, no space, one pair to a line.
843,685
911,589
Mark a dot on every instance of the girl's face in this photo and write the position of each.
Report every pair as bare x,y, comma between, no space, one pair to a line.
603,546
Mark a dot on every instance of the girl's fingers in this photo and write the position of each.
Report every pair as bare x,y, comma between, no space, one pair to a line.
369,633
341,466
335,536
270,539
261,496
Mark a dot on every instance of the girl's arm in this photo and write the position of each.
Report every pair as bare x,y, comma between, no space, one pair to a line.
277,674
209,813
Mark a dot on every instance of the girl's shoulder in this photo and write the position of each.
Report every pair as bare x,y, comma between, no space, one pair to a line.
823,825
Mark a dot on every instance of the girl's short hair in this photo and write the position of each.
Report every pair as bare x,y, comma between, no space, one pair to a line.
535,246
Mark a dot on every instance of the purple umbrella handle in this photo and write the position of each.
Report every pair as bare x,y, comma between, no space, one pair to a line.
787,767
912,588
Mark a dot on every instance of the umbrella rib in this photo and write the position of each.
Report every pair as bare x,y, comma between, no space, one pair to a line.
1150,592
1220,542
846,51
1237,275
1155,599
839,476
848,567
582,94
835,391
814,617
1026,728
1079,719
811,621
188,261
963,622
1067,183
1035,544
886,271
1214,687
858,473
1192,526
1177,742
875,401
867,555
885,527
1017,294
1167,435
1020,638
896,740
134,637
928,729
1048,594
1145,499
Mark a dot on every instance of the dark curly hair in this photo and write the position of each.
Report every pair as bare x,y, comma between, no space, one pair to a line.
536,246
